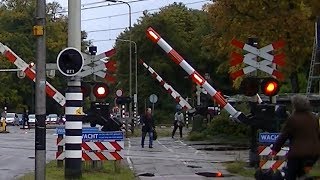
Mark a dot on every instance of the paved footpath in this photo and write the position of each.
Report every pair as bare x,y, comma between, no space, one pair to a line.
174,159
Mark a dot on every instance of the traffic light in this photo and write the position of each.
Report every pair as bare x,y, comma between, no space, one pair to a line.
70,61
100,90
99,114
123,100
268,117
270,86
250,86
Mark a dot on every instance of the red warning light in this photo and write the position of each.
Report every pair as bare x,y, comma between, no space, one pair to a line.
153,35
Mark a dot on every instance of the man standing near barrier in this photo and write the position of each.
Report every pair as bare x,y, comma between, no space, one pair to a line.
147,127
178,122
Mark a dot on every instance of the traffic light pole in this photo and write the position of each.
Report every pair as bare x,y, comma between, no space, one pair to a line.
40,126
73,109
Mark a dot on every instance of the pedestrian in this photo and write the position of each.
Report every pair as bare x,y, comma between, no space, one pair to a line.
147,127
25,118
302,131
178,122
16,120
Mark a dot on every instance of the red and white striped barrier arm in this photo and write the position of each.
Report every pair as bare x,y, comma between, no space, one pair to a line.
179,99
30,73
195,76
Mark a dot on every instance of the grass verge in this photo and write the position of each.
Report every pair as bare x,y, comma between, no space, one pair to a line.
239,167
106,172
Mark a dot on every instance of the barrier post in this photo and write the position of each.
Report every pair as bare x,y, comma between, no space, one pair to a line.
60,149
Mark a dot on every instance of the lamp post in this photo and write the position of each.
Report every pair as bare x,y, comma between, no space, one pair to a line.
130,57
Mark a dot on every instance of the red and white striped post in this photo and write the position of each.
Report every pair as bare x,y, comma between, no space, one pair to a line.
195,76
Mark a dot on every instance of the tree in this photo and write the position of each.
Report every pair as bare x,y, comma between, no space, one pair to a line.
16,22
289,20
184,29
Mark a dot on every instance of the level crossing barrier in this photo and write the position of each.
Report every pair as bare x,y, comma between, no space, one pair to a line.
96,145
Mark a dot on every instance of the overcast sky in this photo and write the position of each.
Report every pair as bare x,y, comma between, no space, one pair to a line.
109,16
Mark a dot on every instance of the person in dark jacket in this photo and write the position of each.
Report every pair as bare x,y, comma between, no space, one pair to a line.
25,118
147,127
302,131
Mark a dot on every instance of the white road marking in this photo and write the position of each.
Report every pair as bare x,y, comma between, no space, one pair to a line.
128,155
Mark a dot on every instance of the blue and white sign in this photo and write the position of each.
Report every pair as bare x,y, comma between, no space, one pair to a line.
62,131
268,137
103,136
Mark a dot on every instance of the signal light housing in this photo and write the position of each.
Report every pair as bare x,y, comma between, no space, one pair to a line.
270,86
100,90
250,86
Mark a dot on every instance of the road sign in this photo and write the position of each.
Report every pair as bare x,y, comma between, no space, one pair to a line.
268,137
70,61
153,98
119,93
103,136
99,65
251,59
61,130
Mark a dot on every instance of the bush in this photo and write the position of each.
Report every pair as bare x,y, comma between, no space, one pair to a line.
197,136
222,125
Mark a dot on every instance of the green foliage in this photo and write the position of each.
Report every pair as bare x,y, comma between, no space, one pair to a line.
222,125
16,23
238,167
291,21
184,29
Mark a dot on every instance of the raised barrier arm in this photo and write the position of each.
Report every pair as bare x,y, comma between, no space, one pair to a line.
179,99
195,76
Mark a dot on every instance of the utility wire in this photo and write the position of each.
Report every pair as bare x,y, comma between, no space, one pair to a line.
94,7
104,1
123,14
102,30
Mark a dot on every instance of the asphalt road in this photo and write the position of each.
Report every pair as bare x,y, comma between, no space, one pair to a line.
17,151
174,159
168,159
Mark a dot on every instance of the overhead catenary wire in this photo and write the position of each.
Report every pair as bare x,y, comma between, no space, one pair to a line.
105,5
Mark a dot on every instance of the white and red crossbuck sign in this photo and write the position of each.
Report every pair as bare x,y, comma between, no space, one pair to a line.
251,59
101,65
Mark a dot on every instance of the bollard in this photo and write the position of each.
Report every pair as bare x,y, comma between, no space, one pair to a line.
60,149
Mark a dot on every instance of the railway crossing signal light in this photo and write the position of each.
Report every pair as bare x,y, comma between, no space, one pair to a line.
250,86
100,90
123,100
270,86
